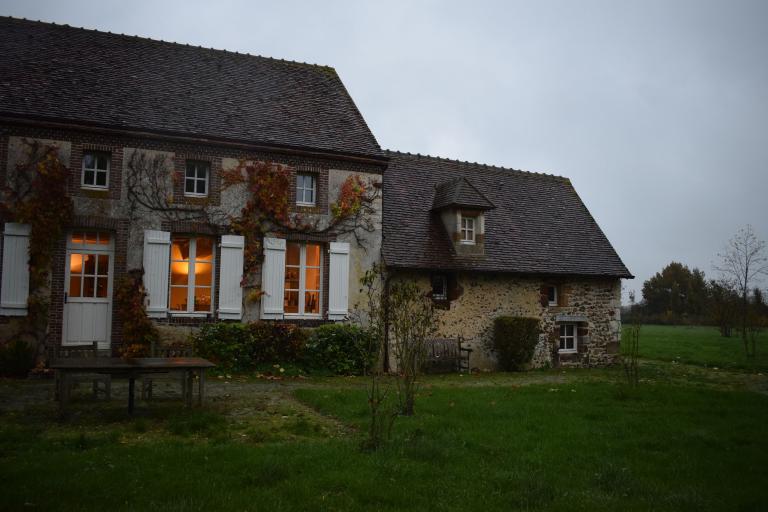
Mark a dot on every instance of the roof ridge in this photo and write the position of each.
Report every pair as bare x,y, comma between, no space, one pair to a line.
174,43
476,164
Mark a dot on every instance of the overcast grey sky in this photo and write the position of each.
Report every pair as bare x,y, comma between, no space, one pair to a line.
656,110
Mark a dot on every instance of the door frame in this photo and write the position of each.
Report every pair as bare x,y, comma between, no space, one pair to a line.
85,248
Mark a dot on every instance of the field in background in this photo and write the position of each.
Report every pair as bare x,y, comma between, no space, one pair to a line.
700,345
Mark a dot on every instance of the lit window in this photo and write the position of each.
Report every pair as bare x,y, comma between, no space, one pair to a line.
439,287
303,277
196,178
552,295
191,275
467,230
95,169
567,337
89,265
306,186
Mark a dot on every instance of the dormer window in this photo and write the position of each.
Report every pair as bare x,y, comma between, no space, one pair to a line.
468,227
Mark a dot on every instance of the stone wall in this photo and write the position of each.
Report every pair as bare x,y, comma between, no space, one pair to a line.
485,296
110,210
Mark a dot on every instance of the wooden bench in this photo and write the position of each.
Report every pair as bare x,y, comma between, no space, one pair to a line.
148,380
446,355
101,384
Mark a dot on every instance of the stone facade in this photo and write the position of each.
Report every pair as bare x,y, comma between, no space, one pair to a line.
592,304
111,211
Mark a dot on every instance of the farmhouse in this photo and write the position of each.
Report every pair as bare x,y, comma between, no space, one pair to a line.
244,188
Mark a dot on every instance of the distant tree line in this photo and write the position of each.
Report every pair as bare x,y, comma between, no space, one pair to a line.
733,301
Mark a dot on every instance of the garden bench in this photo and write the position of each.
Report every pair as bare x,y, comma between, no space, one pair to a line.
445,355
100,383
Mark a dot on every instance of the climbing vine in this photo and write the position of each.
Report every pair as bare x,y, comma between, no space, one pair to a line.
35,195
130,296
267,208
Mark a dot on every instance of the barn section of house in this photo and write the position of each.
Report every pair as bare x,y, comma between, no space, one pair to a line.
112,104
486,241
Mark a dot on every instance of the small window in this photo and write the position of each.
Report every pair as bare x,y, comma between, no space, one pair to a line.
467,230
439,287
196,178
306,189
568,338
552,295
191,275
95,169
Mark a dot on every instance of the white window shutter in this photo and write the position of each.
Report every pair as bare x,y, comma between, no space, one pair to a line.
157,257
230,291
15,281
338,293
273,279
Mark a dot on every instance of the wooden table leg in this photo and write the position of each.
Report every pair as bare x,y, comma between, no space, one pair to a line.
201,387
131,385
190,387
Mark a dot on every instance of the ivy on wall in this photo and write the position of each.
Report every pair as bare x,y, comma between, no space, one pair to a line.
36,195
140,333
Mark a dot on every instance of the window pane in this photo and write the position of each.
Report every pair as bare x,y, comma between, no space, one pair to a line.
179,273
202,299
101,179
77,238
313,279
88,161
179,299
89,178
91,238
292,254
313,255
180,249
76,264
203,273
200,187
292,278
103,267
104,238
90,264
204,249
562,343
312,303
191,171
189,186
569,330
74,286
102,162
202,171
562,330
291,302
88,286
438,286
101,287
551,293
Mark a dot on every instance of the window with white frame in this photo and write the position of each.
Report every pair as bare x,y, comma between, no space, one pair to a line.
306,189
303,279
439,287
196,178
95,169
552,295
568,338
191,275
468,226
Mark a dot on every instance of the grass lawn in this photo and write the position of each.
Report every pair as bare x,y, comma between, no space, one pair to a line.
700,345
548,440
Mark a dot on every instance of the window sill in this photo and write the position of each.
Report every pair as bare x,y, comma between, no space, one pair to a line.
295,316
95,188
187,194
570,351
467,242
306,205
184,314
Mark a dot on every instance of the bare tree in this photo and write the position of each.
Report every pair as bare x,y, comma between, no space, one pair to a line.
743,261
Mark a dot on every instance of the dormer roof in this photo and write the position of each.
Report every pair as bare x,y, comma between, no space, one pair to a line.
460,193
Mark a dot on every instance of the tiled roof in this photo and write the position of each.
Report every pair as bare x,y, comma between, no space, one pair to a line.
62,73
459,192
539,225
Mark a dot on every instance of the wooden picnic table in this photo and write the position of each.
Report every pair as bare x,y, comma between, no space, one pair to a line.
132,368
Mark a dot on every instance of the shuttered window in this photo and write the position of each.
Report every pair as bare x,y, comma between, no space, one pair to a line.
157,246
273,278
230,289
14,289
303,279
191,275
338,278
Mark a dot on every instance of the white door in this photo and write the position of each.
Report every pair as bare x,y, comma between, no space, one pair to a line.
88,293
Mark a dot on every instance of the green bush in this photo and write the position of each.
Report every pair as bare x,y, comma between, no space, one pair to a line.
17,358
514,340
340,348
242,347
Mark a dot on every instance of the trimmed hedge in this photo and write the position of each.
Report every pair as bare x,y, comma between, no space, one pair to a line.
514,340
342,349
